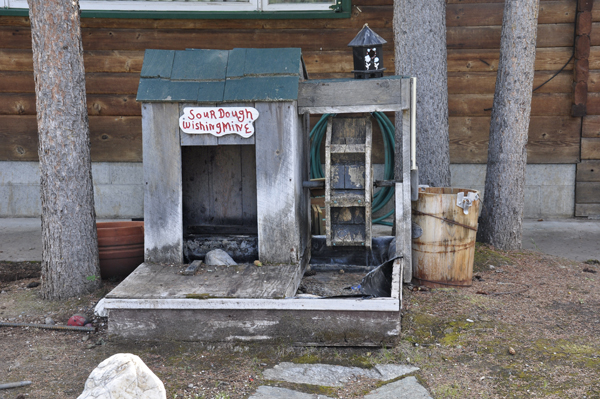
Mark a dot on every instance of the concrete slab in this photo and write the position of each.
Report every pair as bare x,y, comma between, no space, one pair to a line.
265,392
406,388
331,375
576,239
20,239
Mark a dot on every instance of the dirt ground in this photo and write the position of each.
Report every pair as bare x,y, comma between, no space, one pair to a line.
546,309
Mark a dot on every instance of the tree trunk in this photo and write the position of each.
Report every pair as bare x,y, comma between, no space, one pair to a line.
502,213
420,50
69,241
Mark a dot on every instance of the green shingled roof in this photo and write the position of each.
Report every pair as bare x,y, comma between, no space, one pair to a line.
209,76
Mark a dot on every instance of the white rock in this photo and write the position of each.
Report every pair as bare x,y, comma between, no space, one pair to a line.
218,257
123,376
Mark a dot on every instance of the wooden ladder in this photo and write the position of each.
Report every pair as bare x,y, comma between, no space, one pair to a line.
348,181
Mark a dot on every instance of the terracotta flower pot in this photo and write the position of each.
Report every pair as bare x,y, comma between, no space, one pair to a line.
121,247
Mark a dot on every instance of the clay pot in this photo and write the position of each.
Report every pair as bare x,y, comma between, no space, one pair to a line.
121,247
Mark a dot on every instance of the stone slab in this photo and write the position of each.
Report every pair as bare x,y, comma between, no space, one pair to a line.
332,375
266,392
406,388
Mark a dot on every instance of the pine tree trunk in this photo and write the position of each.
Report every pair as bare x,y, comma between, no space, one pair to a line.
502,213
69,247
420,50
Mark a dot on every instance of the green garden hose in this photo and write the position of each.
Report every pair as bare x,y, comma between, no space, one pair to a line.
381,197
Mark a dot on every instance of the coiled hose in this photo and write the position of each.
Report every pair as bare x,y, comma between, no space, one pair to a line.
381,197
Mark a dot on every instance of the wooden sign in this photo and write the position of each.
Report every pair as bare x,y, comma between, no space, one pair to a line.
218,121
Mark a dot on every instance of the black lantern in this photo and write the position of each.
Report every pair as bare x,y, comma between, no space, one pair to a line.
368,54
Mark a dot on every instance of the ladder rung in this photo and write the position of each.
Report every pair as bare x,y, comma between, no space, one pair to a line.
347,148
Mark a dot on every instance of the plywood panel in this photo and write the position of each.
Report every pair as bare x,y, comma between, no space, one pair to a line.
587,192
485,82
542,104
588,171
590,148
482,60
551,139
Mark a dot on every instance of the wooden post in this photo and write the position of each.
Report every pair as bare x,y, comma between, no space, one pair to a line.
163,210
581,69
402,176
282,205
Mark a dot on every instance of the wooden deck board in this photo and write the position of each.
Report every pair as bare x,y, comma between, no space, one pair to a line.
161,281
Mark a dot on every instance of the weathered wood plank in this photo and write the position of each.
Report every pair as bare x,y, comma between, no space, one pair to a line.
367,95
337,61
94,61
482,60
114,139
299,327
587,210
587,192
248,164
488,37
590,148
490,13
588,171
95,83
227,184
591,126
551,139
156,281
593,104
97,104
542,104
163,213
485,82
282,206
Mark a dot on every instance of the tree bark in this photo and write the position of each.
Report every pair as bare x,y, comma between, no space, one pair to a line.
420,51
69,240
502,213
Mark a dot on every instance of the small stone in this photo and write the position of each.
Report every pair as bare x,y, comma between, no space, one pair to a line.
342,271
123,376
218,257
257,263
85,338
49,321
191,386
512,351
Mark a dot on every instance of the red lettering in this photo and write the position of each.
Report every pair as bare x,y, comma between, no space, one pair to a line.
221,113
226,126
239,115
219,128
212,114
238,127
206,114
210,126
248,114
199,115
248,131
191,114
186,125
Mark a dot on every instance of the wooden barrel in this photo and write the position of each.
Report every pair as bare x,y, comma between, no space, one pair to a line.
120,247
443,255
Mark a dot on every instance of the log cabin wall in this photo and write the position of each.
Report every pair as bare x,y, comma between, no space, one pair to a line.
113,58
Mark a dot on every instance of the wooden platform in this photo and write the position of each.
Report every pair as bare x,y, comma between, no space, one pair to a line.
246,303
158,281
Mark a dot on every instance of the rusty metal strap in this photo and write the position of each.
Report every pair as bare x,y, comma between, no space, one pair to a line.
418,213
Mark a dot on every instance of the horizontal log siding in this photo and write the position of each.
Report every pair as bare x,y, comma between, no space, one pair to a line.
114,54
587,185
